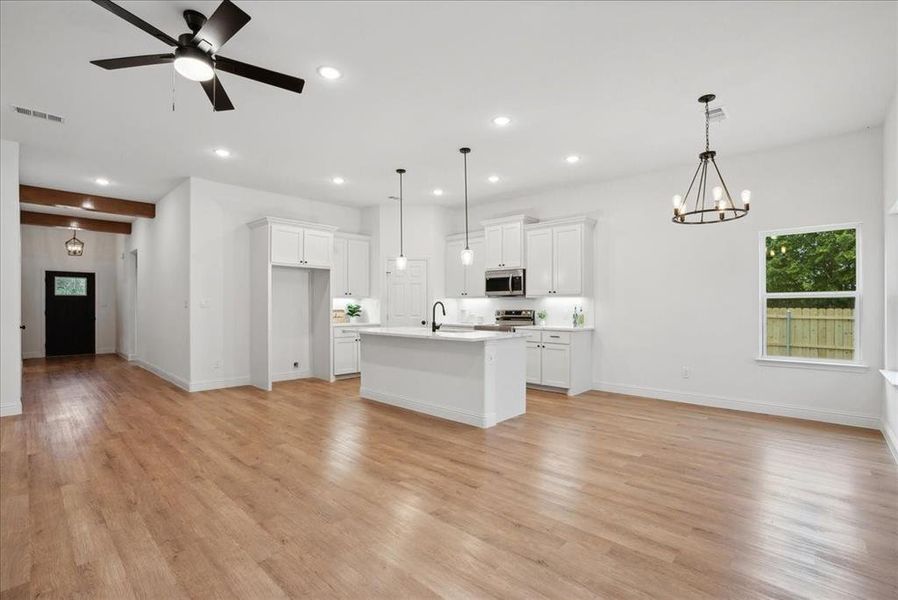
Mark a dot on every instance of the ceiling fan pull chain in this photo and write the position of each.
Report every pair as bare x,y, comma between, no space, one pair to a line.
173,89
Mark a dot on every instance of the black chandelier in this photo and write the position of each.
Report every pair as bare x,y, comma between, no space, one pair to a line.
721,208
74,246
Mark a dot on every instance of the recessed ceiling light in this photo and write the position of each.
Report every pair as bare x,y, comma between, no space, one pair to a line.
329,72
493,179
222,152
501,121
338,180
573,159
101,181
438,192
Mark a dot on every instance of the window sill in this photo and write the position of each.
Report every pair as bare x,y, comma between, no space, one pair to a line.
768,361
891,376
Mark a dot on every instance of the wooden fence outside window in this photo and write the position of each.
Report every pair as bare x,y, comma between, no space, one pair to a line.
811,332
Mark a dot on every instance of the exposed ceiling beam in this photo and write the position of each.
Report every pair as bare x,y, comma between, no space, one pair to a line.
114,206
64,222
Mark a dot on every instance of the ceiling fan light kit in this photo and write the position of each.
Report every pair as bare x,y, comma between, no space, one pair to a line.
196,53
721,207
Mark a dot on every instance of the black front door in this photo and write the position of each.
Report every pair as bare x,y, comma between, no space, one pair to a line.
70,313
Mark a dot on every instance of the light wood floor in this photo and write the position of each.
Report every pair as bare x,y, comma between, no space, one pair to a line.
117,485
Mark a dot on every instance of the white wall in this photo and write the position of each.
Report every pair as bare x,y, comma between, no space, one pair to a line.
43,249
890,329
163,288
670,296
10,282
219,271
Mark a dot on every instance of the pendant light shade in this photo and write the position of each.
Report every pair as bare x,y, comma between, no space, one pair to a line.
467,255
700,210
401,260
74,246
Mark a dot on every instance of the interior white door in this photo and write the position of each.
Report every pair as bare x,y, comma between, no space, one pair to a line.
339,286
286,245
567,260
358,266
556,365
539,262
346,353
512,245
475,279
317,247
534,363
407,294
493,239
455,271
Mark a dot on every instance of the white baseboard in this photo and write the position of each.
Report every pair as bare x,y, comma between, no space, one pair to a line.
128,357
163,374
891,439
9,409
217,384
290,375
780,410
105,351
460,416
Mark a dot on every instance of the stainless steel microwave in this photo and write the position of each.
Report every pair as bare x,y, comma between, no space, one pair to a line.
506,282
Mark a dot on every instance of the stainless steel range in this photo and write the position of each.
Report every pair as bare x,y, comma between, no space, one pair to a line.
507,320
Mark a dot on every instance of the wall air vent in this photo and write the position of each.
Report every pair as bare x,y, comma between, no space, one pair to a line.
38,114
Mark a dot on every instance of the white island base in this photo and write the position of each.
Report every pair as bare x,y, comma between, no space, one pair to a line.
472,377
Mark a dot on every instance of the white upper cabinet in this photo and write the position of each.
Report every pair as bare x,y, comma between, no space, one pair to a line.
462,281
559,258
505,242
295,245
350,275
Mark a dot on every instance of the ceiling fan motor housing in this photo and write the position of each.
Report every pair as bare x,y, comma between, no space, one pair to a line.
195,20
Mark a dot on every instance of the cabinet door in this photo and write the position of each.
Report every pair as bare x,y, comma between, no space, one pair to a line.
534,360
567,259
455,271
339,287
556,365
475,280
346,355
493,251
358,267
513,245
317,247
539,262
286,245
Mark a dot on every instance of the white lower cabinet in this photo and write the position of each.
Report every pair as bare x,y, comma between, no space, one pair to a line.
560,359
346,355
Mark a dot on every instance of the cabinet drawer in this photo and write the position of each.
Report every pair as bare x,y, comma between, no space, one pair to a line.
533,336
557,337
340,332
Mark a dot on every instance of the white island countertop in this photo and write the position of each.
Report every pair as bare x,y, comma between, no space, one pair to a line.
453,336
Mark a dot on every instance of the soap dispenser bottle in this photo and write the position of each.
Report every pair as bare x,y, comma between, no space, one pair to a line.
575,316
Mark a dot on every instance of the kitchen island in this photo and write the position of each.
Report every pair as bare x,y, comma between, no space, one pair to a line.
473,377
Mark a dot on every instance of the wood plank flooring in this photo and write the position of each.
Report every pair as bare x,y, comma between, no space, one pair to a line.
117,485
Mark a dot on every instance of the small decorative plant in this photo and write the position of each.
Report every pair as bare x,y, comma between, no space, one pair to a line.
541,316
353,311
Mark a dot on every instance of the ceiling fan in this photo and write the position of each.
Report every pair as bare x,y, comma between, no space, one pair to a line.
195,56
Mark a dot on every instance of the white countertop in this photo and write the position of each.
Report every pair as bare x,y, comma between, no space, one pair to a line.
348,325
449,336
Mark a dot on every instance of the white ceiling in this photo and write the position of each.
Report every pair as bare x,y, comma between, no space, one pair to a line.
613,82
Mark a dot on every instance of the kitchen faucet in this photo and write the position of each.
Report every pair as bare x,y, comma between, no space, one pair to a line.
433,316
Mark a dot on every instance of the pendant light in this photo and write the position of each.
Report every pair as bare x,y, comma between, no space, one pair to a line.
74,246
721,208
401,260
467,255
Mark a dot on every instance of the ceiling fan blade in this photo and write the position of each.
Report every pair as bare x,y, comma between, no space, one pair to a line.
287,82
134,61
217,96
137,21
221,26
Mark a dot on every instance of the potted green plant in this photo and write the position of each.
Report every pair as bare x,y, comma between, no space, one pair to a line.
541,317
354,312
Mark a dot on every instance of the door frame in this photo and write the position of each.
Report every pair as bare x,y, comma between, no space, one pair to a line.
91,293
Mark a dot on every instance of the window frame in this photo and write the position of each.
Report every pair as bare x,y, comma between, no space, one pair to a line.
763,296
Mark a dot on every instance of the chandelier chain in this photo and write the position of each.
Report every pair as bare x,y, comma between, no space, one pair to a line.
707,128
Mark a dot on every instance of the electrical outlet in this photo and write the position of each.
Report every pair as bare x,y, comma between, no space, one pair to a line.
685,373
295,364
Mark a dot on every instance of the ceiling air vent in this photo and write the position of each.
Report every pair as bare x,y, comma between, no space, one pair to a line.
717,114
38,114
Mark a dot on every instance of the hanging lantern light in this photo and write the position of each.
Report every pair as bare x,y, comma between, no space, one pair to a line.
401,260
74,246
467,255
697,212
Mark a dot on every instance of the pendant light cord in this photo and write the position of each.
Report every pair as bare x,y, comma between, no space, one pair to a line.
400,215
465,156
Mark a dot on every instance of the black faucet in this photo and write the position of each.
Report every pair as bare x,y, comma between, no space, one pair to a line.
433,316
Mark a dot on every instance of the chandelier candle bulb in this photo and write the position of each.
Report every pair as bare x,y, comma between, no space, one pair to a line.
717,193
746,198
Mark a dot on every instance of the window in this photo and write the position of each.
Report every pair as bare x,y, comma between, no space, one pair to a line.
70,286
810,294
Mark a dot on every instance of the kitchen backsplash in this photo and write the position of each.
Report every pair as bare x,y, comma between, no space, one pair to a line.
483,310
